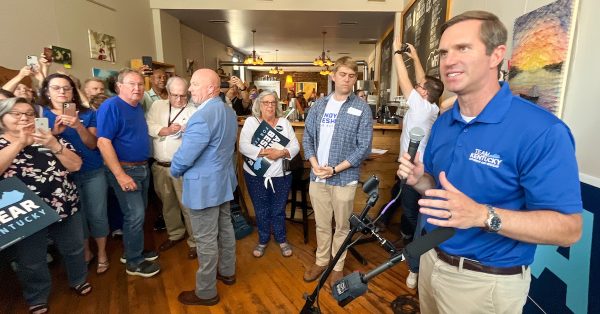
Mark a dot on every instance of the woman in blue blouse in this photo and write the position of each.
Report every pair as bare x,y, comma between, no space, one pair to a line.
79,128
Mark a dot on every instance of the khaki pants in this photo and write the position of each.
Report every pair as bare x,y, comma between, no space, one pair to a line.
331,201
169,190
444,288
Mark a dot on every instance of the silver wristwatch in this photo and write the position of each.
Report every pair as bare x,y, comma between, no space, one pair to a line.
493,223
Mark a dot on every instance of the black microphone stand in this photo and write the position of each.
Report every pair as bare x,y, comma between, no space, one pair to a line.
356,227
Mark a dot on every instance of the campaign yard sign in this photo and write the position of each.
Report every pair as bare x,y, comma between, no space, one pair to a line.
265,137
22,212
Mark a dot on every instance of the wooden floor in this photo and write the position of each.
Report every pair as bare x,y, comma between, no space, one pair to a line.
271,284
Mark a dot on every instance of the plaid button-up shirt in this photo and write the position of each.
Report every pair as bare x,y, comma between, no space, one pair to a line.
351,140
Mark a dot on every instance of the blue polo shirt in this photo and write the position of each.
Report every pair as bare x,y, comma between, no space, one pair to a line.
514,155
126,127
91,157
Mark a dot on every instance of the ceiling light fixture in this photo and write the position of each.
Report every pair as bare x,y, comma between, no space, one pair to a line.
276,69
323,59
325,71
253,59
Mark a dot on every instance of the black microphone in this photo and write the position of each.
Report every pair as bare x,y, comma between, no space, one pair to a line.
354,285
371,185
415,134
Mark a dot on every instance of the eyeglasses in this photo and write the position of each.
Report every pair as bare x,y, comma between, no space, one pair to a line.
179,96
19,114
56,88
133,85
269,103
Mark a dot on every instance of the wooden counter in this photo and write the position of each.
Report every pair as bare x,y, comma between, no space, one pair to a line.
385,136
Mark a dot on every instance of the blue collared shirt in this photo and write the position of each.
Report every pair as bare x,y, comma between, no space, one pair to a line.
514,155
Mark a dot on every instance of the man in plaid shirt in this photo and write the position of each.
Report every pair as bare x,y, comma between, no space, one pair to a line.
337,138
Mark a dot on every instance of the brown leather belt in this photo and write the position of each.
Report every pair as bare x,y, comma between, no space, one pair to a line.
132,163
163,164
476,266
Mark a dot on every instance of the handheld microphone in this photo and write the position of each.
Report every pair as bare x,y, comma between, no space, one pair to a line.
415,134
354,285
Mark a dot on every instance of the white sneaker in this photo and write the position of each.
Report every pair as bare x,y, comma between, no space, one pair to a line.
411,280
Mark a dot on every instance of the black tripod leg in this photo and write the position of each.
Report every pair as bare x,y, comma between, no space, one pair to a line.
357,255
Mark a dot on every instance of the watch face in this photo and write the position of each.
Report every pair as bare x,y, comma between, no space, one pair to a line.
495,223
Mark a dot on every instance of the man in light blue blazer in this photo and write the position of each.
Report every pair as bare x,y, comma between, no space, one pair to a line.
205,161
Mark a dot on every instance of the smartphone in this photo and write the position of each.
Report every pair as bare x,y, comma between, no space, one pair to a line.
225,84
147,61
32,61
70,109
41,124
48,53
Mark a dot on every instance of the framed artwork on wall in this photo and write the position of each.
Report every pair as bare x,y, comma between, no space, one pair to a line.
542,44
102,46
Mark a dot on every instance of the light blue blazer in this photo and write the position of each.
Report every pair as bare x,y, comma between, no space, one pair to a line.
205,157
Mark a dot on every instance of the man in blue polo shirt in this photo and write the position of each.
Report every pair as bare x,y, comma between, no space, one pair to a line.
499,169
123,142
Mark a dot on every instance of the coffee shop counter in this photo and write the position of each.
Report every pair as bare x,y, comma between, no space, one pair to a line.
384,166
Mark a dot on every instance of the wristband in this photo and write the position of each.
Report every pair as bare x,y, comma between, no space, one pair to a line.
334,172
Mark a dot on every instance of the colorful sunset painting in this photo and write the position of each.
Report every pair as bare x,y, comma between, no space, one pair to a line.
541,44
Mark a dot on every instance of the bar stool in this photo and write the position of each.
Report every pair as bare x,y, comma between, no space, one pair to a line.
300,183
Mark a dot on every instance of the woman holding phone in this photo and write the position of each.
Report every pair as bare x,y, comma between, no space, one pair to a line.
43,162
77,124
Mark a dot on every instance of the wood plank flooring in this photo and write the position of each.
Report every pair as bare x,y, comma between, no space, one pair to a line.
271,284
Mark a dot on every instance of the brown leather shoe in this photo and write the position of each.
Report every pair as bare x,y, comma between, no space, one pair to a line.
192,253
313,272
168,244
190,298
335,276
228,280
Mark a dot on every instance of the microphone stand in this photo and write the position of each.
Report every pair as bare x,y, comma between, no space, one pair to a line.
310,299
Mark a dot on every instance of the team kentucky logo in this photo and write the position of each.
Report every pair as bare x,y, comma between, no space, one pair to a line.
485,158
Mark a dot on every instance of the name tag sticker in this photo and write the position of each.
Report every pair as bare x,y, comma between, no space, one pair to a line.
354,111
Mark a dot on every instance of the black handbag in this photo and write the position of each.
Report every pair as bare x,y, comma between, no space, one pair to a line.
241,226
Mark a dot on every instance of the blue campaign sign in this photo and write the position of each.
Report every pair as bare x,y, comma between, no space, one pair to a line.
264,137
566,280
22,212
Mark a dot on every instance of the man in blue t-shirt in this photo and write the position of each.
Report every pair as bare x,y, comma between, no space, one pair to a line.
123,143
499,169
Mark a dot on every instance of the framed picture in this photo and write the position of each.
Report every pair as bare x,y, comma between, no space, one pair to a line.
542,43
102,46
62,56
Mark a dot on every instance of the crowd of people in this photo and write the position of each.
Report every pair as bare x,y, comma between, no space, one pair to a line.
183,137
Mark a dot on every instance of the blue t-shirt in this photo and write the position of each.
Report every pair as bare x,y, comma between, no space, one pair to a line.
514,155
91,157
126,127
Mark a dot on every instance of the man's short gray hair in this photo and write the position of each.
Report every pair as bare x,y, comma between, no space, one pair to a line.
174,79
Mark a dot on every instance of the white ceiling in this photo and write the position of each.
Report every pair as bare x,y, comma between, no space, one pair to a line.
297,34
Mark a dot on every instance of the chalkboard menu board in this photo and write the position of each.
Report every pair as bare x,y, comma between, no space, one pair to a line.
421,23
385,72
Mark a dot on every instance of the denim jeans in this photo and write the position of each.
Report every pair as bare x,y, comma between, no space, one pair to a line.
133,204
215,245
32,268
92,187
